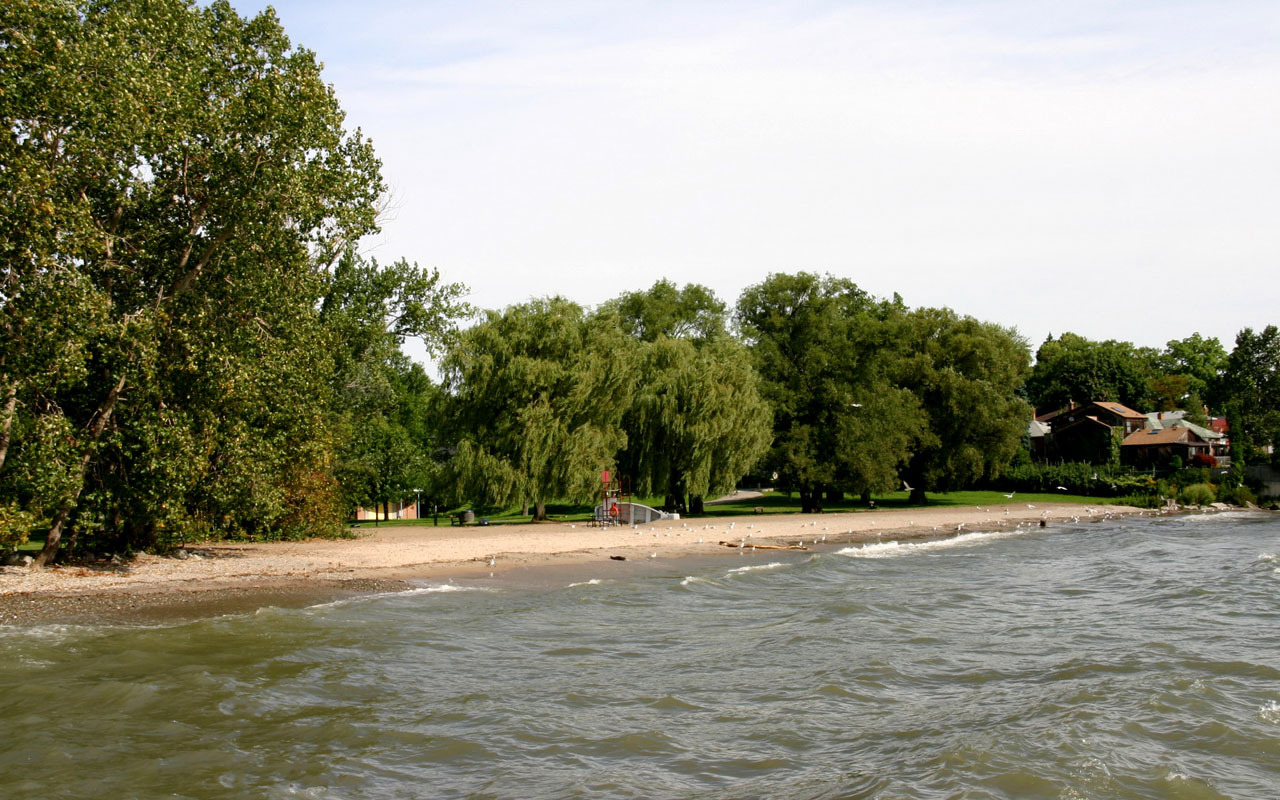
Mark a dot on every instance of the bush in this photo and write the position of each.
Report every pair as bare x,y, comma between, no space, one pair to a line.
1236,495
15,526
1197,494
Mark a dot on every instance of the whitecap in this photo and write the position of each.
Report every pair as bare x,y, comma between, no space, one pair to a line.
592,582
770,565
891,549
433,589
1265,557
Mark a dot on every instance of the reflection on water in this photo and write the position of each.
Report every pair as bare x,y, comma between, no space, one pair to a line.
1127,659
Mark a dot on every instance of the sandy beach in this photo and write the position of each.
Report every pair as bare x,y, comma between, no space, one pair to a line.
225,577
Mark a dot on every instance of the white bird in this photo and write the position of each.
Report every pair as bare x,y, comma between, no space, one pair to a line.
1062,488
492,561
1010,495
907,487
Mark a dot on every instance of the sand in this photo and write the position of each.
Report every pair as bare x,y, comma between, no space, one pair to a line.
217,578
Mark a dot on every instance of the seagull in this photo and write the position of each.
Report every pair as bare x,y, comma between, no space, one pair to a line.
1010,495
492,561
907,487
1062,488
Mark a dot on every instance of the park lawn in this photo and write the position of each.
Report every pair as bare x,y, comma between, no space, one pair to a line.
770,503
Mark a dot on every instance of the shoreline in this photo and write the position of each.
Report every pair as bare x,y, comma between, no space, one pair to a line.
228,578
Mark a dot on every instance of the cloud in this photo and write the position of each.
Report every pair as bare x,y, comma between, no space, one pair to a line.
1049,166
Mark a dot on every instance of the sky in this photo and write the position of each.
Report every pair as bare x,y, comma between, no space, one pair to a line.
1109,169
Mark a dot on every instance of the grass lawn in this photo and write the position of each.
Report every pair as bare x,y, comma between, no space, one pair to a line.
772,503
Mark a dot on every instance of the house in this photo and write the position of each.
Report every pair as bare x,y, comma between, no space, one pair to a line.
1156,447
1215,434
1085,433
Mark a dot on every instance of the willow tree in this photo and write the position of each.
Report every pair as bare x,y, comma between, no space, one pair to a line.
698,422
182,177
537,392
822,348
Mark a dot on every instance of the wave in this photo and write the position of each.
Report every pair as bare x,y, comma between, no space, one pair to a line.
895,549
433,589
592,582
753,567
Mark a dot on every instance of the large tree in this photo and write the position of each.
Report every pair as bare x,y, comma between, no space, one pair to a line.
966,375
1073,369
181,179
1250,390
1186,370
697,423
840,422
537,393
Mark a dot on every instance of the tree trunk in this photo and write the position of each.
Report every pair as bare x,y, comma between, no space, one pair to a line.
835,496
524,509
539,510
806,501
866,497
50,549
917,496
695,504
6,422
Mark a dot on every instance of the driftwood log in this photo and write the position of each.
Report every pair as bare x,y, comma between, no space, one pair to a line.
765,546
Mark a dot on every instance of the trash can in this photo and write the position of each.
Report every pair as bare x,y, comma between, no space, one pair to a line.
468,517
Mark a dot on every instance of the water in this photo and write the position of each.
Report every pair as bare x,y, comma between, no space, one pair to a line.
1134,658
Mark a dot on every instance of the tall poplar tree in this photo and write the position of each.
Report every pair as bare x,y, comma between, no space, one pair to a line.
175,181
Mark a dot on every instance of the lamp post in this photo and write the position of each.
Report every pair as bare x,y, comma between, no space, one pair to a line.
417,504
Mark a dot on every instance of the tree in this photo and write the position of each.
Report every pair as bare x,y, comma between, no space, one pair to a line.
1186,370
383,402
697,423
1250,386
537,393
1073,369
692,313
840,423
966,375
183,176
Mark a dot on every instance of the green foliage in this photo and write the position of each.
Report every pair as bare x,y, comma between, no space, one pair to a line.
692,313
536,398
176,182
1078,478
15,526
1197,494
822,349
1250,387
697,423
1236,495
1189,369
966,375
1072,368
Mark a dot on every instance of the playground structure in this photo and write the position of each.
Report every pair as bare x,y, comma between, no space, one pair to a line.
616,507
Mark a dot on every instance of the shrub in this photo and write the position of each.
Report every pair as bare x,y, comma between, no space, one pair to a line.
1197,494
15,526
1236,495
